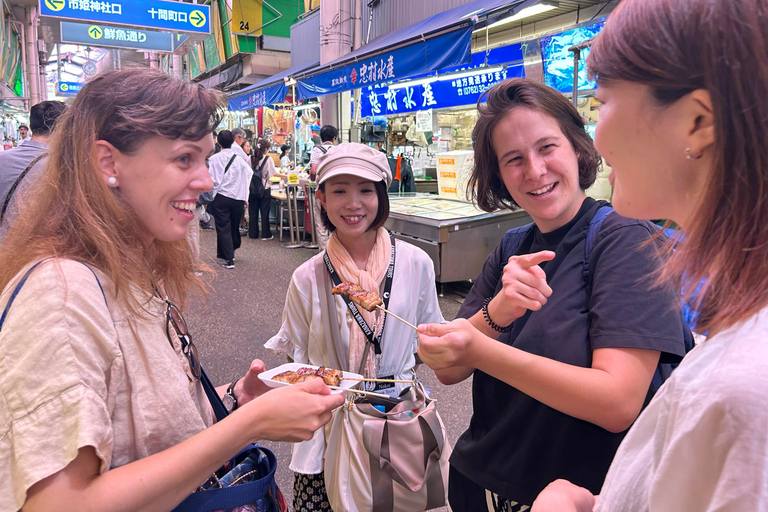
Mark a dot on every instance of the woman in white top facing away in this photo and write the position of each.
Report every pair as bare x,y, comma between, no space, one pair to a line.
260,197
100,406
683,86
318,327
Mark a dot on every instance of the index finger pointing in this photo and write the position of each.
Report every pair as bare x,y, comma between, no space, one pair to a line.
529,260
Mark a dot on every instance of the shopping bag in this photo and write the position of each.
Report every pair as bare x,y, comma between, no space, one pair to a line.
387,461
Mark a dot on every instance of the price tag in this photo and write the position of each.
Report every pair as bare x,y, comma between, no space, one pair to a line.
293,179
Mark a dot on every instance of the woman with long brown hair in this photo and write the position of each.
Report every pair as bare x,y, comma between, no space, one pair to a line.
684,92
102,404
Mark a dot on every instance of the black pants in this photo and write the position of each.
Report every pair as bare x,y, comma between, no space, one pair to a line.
227,213
258,205
464,495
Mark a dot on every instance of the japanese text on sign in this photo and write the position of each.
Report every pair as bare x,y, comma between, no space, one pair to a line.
95,6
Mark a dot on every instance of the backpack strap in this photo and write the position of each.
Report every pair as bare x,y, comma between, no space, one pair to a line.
512,241
594,228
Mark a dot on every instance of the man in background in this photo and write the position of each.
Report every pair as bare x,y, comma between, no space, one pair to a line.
24,134
237,147
20,166
328,136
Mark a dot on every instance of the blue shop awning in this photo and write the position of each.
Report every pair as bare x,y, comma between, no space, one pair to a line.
267,92
438,42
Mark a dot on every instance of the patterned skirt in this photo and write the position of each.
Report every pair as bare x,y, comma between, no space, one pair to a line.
309,493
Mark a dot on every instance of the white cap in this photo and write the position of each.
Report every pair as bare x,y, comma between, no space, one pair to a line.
354,159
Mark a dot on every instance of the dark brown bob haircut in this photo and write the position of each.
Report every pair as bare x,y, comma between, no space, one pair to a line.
675,47
382,214
486,187
72,213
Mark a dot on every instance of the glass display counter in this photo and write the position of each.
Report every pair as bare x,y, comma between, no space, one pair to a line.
456,235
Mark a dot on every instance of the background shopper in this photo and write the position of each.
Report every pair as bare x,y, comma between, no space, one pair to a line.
231,178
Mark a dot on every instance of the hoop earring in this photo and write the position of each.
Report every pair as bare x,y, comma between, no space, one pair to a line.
112,181
689,156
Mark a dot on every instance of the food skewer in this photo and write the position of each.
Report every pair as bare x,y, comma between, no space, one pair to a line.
380,380
367,300
348,390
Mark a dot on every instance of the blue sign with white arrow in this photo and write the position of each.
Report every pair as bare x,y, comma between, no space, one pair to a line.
69,88
157,14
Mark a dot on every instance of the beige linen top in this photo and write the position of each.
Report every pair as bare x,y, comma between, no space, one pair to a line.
73,373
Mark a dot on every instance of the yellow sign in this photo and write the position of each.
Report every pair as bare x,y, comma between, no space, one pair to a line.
64,87
55,5
250,16
247,17
197,18
293,179
95,32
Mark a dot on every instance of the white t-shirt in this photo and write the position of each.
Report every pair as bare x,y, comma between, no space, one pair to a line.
73,373
237,180
317,152
304,335
702,443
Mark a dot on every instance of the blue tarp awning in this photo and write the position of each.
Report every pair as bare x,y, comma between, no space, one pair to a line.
438,42
267,92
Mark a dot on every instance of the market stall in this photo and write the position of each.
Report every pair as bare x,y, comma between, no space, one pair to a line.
456,235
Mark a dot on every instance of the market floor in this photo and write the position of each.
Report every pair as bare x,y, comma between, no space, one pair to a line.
244,310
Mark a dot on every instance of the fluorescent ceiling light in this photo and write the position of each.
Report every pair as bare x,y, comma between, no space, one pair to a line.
304,107
539,8
471,72
413,83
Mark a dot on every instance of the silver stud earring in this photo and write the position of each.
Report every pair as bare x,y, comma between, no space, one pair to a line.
112,181
689,156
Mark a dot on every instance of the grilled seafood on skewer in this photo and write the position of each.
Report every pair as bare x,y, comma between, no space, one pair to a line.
330,376
368,300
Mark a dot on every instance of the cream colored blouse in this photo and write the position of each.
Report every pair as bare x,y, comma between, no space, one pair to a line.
74,372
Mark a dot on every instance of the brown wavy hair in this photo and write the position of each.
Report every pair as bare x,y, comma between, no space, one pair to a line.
485,186
676,47
70,211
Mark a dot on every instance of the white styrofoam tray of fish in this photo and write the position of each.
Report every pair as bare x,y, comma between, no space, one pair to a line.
266,376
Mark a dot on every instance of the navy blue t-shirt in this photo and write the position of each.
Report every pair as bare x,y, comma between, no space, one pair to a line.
515,445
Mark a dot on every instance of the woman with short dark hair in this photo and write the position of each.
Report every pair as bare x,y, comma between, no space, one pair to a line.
683,86
260,194
562,358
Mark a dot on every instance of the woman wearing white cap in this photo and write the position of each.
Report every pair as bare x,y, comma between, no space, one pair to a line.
318,327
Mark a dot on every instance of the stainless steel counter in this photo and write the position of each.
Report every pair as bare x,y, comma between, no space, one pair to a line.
456,236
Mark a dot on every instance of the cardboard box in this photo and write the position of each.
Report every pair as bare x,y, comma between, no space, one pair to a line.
453,171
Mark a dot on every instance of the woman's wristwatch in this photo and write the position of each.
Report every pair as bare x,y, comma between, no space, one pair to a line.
229,398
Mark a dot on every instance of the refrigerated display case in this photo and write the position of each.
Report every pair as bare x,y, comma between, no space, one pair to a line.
456,235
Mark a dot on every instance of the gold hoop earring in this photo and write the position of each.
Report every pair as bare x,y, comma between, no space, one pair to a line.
689,156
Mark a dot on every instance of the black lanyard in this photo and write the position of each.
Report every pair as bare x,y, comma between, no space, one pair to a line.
374,340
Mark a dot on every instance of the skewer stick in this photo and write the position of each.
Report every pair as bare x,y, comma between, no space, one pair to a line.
380,380
358,391
406,322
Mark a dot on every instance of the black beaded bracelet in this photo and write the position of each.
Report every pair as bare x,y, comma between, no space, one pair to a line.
493,324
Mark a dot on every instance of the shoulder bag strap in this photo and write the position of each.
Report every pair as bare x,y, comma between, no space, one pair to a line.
17,183
369,334
24,280
229,164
